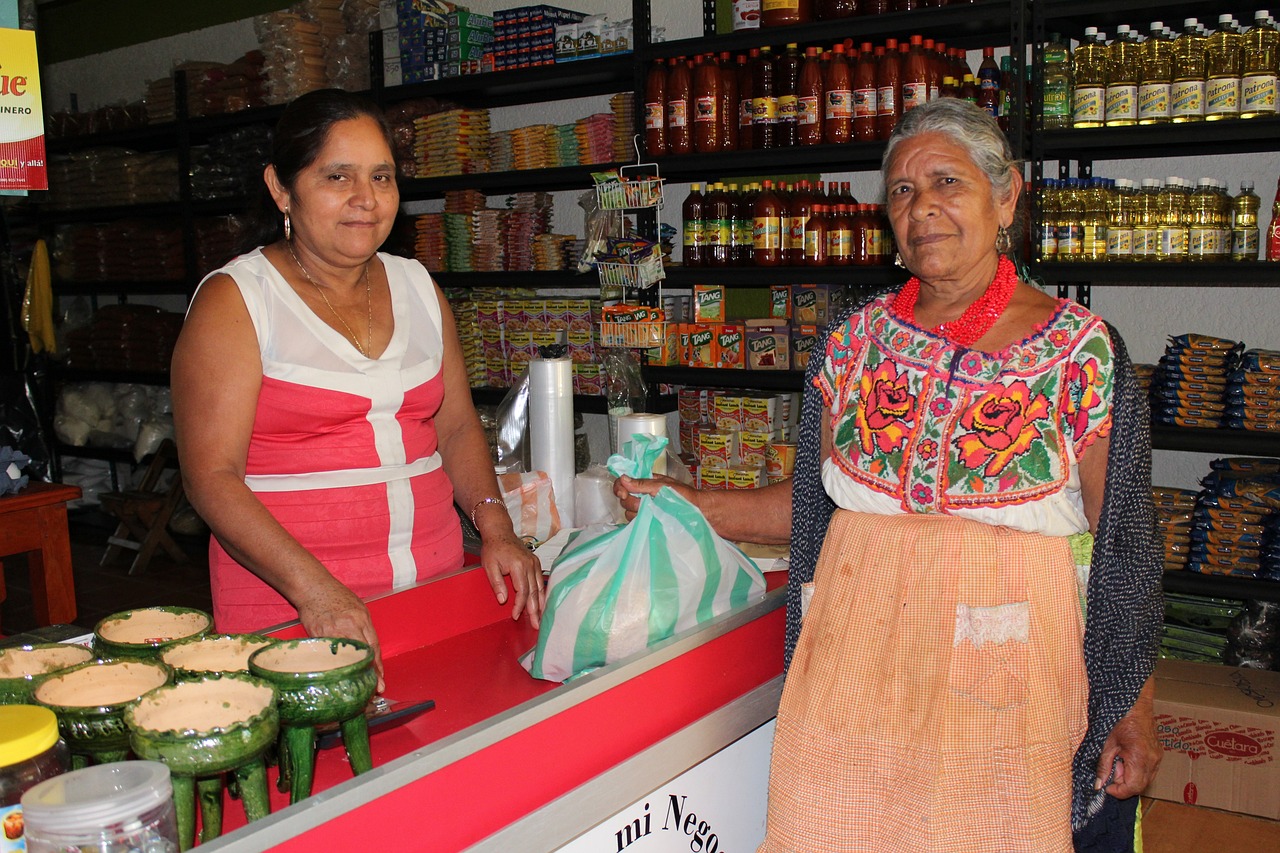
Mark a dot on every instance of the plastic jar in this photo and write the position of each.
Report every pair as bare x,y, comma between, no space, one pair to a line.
108,808
30,753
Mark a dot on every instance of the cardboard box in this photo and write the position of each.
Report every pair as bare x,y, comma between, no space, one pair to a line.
1218,725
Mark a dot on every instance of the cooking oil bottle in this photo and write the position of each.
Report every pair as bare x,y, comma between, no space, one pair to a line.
1122,78
1203,235
1089,70
1244,223
1047,225
1155,77
1057,98
1122,205
1094,221
1146,221
1173,221
1070,229
1188,74
1258,81
1223,63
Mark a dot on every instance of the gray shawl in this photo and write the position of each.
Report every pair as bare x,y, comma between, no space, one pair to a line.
1123,599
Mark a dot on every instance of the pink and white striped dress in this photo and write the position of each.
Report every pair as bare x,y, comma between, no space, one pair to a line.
343,451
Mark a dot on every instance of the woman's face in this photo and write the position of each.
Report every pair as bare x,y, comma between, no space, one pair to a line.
343,205
944,218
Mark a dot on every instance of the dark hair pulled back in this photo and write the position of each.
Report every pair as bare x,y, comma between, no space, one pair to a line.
300,134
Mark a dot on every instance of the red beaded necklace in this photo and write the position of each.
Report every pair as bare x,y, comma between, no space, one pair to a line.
978,318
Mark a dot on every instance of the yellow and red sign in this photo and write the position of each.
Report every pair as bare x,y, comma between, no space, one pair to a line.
22,159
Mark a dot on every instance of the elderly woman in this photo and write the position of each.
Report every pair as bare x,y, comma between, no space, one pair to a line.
324,419
967,677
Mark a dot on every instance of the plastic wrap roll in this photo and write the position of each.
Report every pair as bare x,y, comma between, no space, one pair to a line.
551,428
647,423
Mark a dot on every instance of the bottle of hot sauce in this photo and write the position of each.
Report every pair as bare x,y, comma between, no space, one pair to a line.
810,110
745,67
706,105
915,76
815,237
679,93
787,76
766,232
838,98
655,110
838,237
888,89
861,234
728,102
801,208
935,76
864,94
764,101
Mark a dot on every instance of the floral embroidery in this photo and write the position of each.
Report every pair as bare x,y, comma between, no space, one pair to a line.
971,363
1002,424
901,340
1083,397
921,494
930,351
939,407
1027,359
885,409
928,450
1059,338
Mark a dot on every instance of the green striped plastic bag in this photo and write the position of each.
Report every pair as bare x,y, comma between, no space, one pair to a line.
619,590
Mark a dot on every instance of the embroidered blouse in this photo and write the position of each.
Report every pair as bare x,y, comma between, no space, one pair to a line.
923,425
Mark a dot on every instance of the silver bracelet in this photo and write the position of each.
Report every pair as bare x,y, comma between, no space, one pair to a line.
481,503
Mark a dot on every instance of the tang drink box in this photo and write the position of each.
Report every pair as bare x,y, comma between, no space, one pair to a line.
1218,726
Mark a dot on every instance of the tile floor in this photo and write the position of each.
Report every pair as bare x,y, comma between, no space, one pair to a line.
103,590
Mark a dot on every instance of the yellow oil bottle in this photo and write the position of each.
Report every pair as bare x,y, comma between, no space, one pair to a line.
1093,220
1089,70
1188,74
1146,221
1258,77
1223,60
1155,76
1122,206
1203,234
1070,228
1047,225
1174,221
1244,223
1122,78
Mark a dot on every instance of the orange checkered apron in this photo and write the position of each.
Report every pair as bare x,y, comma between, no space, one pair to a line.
937,693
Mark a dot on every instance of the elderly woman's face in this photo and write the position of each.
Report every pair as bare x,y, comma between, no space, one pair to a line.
344,204
942,211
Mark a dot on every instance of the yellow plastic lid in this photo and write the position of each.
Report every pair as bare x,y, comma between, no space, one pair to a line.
28,730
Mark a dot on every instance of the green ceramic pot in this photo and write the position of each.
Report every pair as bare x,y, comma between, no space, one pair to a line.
196,658
243,723
320,680
201,729
23,668
90,700
145,632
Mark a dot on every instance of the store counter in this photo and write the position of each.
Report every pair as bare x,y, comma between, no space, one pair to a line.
508,762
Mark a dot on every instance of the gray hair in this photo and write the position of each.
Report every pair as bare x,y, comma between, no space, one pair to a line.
970,127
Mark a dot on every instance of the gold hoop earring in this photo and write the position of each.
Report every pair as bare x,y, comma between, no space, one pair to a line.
288,227
1004,243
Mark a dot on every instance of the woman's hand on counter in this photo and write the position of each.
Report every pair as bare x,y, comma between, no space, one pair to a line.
332,610
507,555
628,490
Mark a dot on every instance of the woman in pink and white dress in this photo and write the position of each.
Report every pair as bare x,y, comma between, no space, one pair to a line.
324,419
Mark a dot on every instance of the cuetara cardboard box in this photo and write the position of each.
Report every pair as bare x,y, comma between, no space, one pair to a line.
1218,726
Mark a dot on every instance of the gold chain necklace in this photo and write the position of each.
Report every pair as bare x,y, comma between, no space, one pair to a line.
368,297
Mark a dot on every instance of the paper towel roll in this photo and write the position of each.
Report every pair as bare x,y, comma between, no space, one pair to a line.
551,428
647,423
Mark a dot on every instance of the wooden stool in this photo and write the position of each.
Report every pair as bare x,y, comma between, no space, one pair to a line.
144,512
34,522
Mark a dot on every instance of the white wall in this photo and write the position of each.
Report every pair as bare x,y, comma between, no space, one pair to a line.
1145,316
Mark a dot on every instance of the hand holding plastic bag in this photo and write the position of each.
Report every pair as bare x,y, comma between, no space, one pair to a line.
618,591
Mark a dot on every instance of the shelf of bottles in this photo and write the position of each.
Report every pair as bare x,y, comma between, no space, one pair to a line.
783,103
